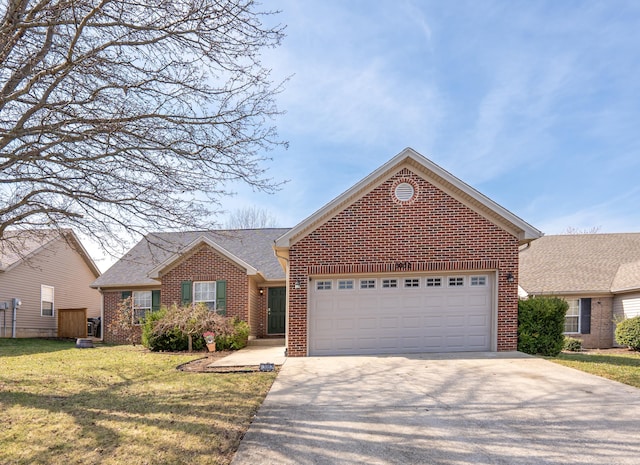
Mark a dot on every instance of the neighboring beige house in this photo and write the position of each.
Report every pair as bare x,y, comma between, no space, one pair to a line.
597,274
47,271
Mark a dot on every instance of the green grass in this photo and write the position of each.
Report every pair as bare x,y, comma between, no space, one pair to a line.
118,405
624,368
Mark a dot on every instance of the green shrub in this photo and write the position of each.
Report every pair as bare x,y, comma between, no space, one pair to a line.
237,339
572,344
173,340
628,333
541,325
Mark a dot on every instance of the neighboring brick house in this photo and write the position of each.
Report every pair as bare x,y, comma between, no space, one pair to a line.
597,274
410,259
49,271
235,272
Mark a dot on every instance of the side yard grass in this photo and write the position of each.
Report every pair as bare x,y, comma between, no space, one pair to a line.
621,367
118,405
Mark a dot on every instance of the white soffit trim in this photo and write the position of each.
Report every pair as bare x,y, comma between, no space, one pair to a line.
155,272
434,174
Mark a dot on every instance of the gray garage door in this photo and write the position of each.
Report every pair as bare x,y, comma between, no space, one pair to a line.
400,314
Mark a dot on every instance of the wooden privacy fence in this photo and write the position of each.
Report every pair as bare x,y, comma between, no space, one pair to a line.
72,322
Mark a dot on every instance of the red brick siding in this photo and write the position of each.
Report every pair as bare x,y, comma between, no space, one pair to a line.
432,232
111,302
206,264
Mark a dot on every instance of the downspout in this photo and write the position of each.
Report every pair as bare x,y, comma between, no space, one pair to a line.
15,303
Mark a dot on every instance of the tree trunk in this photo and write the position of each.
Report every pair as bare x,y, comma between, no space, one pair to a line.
190,343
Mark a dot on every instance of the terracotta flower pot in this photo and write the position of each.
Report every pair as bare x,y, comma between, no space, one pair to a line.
211,347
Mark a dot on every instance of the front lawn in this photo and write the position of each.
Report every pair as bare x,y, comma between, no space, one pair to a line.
622,367
118,405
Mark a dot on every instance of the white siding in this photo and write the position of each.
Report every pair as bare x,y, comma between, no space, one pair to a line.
58,266
625,306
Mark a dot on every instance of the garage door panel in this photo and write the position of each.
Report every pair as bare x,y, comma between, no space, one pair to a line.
434,301
396,320
410,323
456,300
388,340
324,325
344,323
478,300
388,322
415,302
368,323
478,321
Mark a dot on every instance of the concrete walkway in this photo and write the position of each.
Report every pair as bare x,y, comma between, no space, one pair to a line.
257,351
483,408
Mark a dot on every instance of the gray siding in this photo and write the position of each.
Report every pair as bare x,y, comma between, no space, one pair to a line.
57,265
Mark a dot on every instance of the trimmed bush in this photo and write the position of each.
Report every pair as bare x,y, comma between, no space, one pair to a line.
628,333
541,325
173,340
236,340
572,344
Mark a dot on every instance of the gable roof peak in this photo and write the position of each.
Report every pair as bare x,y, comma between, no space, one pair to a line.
432,172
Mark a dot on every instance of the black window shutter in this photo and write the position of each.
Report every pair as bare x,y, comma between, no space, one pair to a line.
187,290
585,316
155,301
126,295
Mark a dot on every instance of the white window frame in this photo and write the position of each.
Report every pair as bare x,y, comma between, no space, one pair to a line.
411,283
433,281
44,289
210,295
324,285
140,309
478,281
389,283
366,284
455,281
574,305
346,284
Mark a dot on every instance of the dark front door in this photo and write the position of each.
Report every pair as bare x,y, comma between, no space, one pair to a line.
276,310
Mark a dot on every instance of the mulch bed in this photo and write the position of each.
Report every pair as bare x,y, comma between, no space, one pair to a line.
201,365
612,351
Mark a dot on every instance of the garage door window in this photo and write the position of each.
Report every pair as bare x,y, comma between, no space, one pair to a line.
434,282
389,283
456,281
478,281
412,282
323,285
345,284
367,284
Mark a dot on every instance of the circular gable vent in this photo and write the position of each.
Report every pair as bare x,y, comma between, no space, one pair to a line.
404,192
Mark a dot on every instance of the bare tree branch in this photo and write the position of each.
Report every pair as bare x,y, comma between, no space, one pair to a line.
119,117
251,218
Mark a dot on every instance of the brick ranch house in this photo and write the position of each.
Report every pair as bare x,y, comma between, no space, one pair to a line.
410,259
597,274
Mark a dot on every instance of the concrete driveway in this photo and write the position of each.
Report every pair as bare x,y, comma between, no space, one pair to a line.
435,409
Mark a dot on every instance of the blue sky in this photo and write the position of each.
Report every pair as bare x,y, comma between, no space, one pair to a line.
535,104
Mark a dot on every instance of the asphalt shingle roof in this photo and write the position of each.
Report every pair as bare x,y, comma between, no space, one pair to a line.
17,245
254,246
581,263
